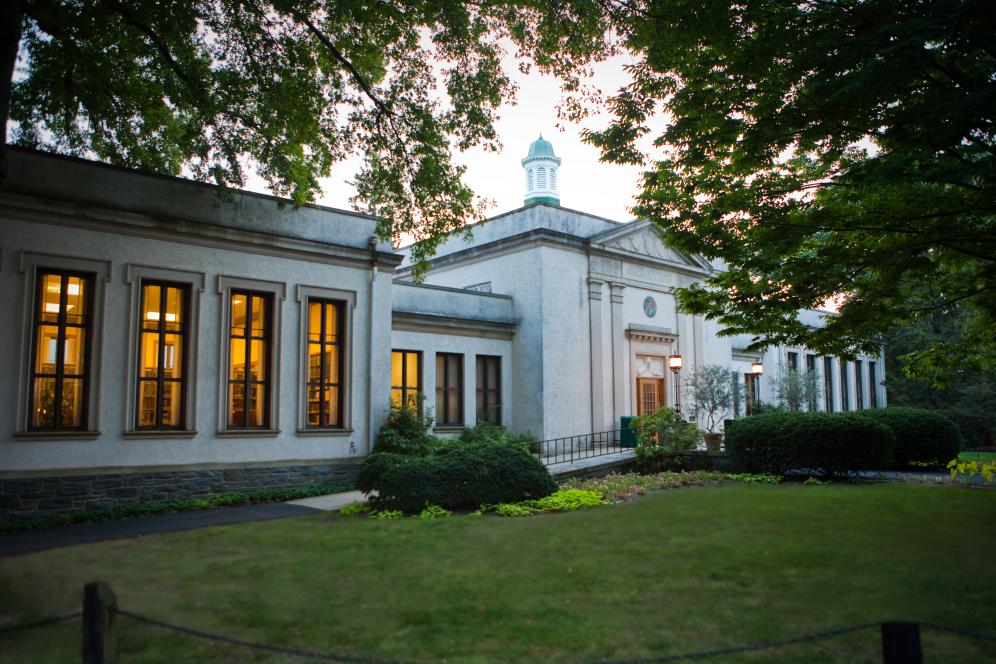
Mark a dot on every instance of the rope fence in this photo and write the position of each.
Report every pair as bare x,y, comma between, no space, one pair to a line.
900,640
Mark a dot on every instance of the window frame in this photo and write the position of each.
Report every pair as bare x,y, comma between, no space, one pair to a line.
828,383
136,276
347,300
792,360
404,374
496,389
872,384
859,387
443,419
32,265
276,292
845,399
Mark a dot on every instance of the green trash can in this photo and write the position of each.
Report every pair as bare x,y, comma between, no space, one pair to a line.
628,435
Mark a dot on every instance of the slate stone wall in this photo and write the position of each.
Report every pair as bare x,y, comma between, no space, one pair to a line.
42,496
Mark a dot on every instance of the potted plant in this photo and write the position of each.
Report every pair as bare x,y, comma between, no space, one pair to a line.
712,395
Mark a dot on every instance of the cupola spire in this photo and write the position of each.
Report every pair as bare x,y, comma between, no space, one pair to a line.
541,166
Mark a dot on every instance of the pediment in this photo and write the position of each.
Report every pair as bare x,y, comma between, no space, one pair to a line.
642,239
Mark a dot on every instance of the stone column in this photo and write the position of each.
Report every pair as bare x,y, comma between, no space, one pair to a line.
619,406
597,355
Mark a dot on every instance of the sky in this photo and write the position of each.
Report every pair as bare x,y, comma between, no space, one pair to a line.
586,184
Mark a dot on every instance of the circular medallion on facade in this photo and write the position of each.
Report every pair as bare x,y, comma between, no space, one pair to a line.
650,307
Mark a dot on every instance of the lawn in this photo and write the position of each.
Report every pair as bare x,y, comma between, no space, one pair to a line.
677,571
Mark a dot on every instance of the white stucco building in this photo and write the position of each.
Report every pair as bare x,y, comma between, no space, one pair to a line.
162,342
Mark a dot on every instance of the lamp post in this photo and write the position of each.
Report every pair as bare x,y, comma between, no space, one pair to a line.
674,362
757,370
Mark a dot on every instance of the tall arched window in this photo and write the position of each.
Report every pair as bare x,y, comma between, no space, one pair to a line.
529,178
541,178
553,179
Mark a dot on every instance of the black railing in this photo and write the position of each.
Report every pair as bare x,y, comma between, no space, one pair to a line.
583,446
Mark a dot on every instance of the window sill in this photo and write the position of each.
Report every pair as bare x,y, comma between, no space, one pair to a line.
248,433
324,432
159,433
449,428
56,435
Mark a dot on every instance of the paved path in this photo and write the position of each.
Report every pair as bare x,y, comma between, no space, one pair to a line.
331,502
588,465
86,533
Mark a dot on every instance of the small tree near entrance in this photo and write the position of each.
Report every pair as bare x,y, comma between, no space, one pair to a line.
712,395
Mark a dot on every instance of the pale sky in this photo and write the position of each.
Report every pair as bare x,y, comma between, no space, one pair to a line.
586,184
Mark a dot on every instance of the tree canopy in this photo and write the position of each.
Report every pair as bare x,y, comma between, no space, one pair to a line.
209,88
820,150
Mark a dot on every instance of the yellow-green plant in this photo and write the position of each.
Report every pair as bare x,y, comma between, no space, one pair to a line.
972,468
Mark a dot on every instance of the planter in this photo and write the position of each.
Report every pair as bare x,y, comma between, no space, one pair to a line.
713,441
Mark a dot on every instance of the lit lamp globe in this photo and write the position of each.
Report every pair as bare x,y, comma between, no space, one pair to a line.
674,361
757,368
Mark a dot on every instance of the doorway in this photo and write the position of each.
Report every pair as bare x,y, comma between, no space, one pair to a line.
650,395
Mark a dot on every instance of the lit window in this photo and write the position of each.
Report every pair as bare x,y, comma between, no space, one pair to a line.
489,389
162,356
60,378
250,327
406,378
449,389
325,367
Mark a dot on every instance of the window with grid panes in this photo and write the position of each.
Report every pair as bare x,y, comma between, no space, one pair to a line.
162,352
60,380
249,380
449,389
489,389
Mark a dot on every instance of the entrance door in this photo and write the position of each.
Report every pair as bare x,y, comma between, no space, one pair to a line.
650,395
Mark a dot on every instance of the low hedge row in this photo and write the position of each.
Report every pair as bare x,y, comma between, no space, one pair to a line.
454,477
923,436
883,439
827,443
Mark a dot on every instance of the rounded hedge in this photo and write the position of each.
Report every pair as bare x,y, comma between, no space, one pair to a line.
828,443
457,477
921,435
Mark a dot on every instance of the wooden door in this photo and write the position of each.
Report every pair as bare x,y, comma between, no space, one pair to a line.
650,395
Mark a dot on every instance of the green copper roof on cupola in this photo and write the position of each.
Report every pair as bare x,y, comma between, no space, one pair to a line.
541,148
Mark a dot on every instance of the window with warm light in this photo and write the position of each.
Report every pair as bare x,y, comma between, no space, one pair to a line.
249,380
60,380
162,352
325,364
406,378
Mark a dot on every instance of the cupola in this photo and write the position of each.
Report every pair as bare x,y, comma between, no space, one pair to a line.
541,166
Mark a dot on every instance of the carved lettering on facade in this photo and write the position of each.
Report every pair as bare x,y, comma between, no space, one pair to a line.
606,266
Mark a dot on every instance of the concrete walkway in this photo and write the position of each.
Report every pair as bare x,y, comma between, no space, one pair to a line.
604,463
331,502
85,533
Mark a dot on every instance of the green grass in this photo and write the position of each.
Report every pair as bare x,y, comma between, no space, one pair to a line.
676,571
978,456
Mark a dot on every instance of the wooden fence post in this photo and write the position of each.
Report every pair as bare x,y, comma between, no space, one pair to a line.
98,624
901,643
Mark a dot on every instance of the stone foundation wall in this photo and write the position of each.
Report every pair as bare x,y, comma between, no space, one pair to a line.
42,496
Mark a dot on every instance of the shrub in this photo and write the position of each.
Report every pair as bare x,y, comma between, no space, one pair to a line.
485,432
921,435
570,499
434,512
457,477
830,443
663,439
406,431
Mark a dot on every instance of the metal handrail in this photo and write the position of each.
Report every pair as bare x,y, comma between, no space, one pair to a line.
583,446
